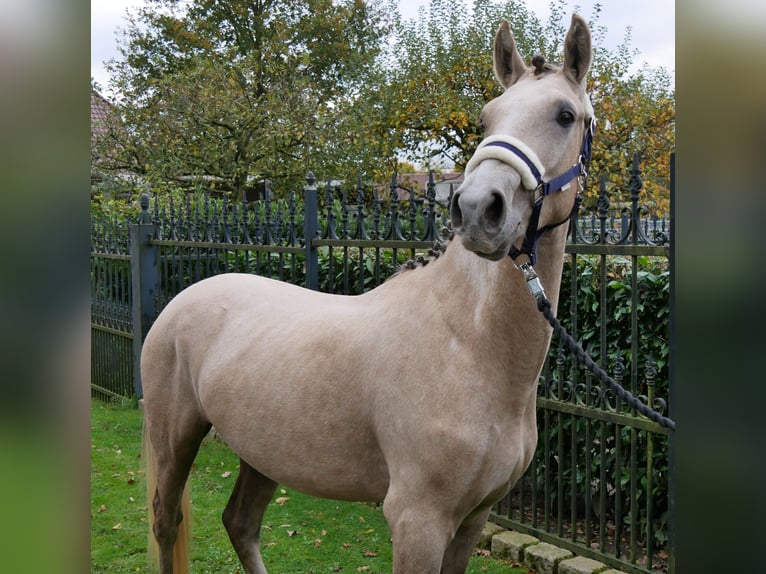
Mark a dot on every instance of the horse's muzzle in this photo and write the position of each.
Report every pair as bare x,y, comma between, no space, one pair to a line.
481,221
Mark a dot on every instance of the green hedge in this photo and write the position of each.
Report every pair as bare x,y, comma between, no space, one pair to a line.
653,318
653,311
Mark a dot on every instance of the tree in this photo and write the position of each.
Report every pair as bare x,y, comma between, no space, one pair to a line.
636,115
225,91
443,77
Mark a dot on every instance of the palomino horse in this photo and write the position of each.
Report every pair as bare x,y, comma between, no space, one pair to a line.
438,435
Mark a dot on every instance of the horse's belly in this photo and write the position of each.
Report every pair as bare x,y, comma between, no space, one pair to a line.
323,471
314,448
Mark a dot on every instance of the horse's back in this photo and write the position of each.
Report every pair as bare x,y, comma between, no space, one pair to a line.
224,321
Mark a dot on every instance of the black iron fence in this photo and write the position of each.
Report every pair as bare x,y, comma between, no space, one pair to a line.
600,482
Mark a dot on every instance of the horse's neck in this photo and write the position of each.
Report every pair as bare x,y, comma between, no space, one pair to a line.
500,284
492,302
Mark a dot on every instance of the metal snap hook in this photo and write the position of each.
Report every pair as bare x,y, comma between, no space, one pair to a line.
533,281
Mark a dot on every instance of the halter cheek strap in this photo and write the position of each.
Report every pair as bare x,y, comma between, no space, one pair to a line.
529,246
520,157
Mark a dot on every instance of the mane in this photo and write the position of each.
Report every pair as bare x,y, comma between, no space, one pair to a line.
446,235
541,66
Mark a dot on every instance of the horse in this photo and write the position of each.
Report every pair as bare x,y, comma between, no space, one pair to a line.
419,394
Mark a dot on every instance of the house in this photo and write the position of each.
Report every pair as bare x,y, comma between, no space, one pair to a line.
100,112
444,183
104,119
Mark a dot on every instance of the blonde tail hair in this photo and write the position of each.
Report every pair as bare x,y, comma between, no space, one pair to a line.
181,547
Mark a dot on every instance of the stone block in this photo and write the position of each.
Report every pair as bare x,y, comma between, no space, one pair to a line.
544,557
580,565
510,544
485,539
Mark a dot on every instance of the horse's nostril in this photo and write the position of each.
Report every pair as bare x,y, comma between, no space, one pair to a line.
456,214
478,211
495,211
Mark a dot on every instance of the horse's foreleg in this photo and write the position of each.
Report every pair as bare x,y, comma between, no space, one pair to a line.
461,548
420,533
244,513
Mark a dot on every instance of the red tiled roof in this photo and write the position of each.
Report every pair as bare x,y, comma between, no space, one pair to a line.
419,182
100,109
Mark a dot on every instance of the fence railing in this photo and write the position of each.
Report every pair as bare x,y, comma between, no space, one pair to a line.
599,483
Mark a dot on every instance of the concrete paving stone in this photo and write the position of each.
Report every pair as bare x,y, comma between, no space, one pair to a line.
544,557
580,565
510,544
485,539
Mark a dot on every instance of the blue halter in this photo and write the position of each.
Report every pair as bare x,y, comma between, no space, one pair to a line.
515,153
545,188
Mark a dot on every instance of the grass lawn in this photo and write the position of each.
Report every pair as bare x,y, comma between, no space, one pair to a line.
301,535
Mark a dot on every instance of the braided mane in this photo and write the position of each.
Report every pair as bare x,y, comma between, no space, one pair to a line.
446,235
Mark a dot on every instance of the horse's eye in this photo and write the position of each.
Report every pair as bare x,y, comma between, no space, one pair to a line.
566,118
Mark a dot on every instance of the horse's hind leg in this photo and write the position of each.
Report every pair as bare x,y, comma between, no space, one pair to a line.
174,450
244,513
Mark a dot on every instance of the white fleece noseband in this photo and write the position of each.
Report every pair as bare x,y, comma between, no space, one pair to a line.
513,152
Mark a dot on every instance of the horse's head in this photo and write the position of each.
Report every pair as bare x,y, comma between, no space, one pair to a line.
534,133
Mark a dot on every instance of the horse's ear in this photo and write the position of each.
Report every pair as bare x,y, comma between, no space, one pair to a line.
509,66
577,50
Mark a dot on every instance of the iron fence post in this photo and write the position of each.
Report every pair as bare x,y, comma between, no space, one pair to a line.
143,263
672,377
310,228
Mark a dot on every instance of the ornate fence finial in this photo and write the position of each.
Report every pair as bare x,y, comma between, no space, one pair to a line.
344,230
636,183
144,216
431,186
603,199
650,371
393,187
360,232
619,368
430,231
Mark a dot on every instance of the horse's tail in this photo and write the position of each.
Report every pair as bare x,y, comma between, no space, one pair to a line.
181,547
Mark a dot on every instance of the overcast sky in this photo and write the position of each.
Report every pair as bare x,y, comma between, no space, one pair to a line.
652,23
